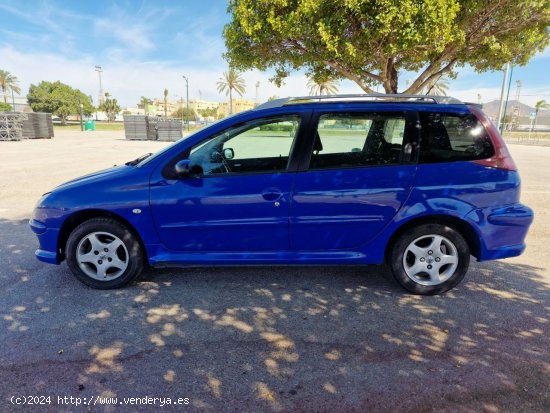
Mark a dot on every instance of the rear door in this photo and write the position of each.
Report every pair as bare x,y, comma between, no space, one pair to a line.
357,174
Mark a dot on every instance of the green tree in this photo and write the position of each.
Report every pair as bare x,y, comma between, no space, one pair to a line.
181,114
324,86
8,83
229,82
541,104
208,112
371,42
59,99
110,107
5,107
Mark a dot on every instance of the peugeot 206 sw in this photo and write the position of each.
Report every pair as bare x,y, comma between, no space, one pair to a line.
421,183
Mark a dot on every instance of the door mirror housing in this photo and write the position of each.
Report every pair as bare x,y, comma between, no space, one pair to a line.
228,153
182,168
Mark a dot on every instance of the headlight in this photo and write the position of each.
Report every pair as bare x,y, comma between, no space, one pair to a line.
42,198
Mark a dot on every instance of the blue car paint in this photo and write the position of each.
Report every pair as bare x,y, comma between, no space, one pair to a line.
322,217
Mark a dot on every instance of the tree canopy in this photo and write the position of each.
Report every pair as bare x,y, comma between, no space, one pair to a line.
183,113
371,41
5,107
59,99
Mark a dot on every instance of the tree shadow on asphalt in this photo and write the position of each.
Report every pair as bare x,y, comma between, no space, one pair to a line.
279,338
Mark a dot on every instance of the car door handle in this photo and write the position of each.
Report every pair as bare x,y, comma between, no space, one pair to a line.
271,195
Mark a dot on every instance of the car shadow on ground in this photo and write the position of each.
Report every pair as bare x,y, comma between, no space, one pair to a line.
276,338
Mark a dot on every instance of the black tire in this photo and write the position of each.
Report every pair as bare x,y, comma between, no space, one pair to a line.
417,283
130,253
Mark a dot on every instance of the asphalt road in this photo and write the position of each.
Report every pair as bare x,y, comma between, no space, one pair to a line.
264,339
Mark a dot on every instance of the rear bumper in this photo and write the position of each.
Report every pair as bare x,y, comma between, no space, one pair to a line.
502,230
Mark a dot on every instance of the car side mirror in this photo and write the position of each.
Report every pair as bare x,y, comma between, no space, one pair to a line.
182,168
228,153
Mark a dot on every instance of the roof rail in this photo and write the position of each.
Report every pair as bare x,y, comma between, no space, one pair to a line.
360,98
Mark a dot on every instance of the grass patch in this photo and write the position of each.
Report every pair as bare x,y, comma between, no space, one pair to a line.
99,126
524,135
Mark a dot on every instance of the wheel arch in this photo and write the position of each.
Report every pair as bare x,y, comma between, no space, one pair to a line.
77,218
461,226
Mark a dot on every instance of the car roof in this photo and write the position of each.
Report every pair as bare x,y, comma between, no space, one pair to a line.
360,98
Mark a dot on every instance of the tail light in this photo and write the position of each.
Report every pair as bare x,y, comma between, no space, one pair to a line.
501,158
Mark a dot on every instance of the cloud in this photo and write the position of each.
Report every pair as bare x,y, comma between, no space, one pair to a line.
129,80
133,37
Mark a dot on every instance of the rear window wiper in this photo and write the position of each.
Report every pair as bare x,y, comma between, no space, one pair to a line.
138,160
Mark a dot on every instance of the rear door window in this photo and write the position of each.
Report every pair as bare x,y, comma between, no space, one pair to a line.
447,137
358,139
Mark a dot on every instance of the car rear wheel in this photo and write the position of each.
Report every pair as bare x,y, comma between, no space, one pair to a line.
430,259
102,253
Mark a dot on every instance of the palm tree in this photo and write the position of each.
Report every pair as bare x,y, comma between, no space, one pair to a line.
110,107
8,82
165,102
320,87
439,88
144,101
229,82
541,104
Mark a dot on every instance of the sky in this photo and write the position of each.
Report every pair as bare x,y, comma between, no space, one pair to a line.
147,46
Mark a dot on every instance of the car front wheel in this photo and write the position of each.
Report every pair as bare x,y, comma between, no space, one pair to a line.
102,253
430,259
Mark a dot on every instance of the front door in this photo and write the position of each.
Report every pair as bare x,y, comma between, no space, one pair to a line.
237,195
359,175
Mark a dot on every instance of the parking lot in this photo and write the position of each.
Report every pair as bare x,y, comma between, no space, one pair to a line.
286,339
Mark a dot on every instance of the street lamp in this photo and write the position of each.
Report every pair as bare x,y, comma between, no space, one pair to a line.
187,101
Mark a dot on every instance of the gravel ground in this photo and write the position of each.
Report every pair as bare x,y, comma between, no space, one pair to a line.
264,339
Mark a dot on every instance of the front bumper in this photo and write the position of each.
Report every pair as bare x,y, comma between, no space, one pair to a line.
47,238
502,230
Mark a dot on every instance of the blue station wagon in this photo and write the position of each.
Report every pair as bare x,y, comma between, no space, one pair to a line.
418,182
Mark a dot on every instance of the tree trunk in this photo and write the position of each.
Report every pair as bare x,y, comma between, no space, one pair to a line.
535,120
391,81
230,102
63,121
4,93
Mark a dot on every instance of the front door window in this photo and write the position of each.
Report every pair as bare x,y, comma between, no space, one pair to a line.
259,146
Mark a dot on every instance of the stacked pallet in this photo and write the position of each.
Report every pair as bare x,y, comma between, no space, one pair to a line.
152,122
38,125
140,127
11,126
169,130
135,127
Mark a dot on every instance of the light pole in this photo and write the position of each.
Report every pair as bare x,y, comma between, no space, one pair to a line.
99,70
502,92
187,101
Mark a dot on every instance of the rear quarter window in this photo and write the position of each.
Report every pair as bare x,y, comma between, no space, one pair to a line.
447,137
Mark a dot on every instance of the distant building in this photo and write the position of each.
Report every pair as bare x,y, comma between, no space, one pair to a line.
239,105
195,105
21,104
199,105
